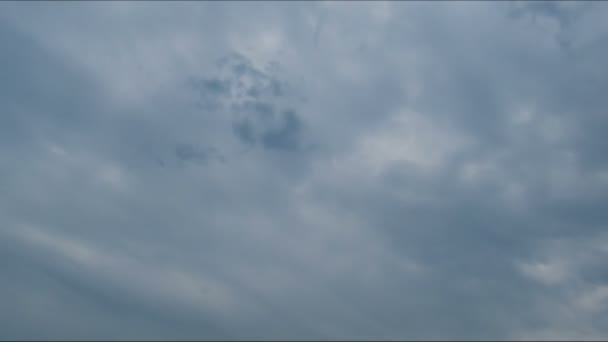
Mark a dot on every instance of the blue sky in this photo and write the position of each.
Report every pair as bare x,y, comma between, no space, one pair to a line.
303,170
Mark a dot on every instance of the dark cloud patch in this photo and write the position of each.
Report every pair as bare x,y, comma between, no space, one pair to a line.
192,153
286,136
239,79
257,101
212,87
275,132
566,12
244,131
260,110
248,81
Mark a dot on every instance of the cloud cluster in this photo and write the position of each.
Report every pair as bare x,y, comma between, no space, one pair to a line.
325,170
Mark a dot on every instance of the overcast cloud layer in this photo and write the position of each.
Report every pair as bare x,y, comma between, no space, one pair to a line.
313,170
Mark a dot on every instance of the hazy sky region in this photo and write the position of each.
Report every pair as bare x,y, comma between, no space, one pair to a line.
304,170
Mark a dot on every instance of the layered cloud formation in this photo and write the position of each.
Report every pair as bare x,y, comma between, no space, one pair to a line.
314,170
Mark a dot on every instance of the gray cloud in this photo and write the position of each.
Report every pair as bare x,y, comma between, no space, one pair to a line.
253,171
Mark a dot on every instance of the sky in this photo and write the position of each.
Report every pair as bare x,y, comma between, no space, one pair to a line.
303,170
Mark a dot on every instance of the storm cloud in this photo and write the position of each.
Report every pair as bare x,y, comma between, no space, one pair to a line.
303,170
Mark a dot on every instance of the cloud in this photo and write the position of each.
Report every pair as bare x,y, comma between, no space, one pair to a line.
258,171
